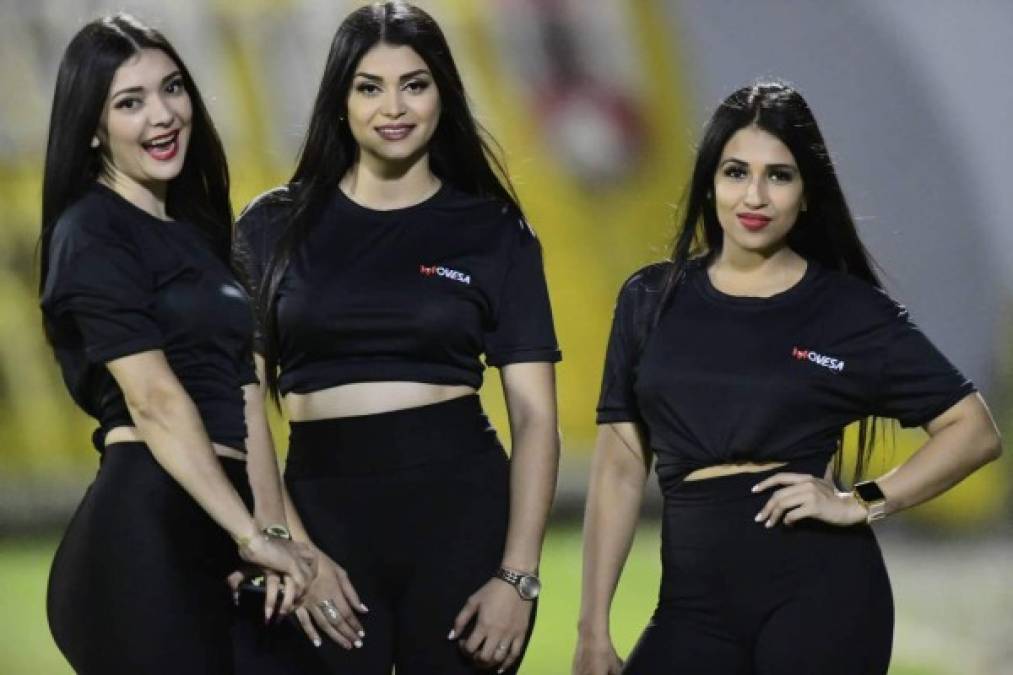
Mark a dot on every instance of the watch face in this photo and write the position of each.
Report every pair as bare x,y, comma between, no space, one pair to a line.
529,587
869,492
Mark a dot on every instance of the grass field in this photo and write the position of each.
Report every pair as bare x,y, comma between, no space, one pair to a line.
27,649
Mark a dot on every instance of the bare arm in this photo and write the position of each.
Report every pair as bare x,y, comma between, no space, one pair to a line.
530,392
168,421
619,472
262,462
961,440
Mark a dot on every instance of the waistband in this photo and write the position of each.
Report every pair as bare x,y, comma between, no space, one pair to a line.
737,486
222,451
399,439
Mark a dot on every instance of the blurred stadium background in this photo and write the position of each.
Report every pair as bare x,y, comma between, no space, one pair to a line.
597,104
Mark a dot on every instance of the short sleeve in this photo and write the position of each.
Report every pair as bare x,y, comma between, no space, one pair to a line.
97,281
523,331
917,382
617,401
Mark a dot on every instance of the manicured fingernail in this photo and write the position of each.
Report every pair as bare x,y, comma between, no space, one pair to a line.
452,635
363,607
317,642
770,523
362,633
758,517
756,488
358,644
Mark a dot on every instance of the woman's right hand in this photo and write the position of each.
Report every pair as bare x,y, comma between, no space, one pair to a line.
288,560
596,656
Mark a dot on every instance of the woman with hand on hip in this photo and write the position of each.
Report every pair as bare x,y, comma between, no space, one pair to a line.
153,336
392,261
736,365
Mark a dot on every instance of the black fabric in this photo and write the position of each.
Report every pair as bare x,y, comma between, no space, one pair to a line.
725,379
414,505
740,599
412,294
138,582
121,282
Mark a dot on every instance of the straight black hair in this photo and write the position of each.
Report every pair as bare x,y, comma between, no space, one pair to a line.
825,232
199,194
461,152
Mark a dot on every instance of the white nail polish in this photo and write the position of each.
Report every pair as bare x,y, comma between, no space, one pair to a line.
317,642
358,644
451,635
758,517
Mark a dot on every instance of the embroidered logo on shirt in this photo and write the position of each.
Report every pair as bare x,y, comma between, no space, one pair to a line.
828,362
440,271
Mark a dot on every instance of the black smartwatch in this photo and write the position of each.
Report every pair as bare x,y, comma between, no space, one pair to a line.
872,498
528,585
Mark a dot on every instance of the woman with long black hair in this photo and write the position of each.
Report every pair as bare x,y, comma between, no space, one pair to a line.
153,335
394,259
736,365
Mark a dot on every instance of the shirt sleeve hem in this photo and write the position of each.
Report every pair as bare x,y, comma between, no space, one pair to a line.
524,356
612,416
121,349
925,416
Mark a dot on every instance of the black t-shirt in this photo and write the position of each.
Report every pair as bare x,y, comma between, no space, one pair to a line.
727,379
121,282
413,294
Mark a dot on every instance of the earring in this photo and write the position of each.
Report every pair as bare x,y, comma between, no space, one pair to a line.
94,142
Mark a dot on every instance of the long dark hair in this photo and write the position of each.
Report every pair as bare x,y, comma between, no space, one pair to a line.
461,152
825,232
199,194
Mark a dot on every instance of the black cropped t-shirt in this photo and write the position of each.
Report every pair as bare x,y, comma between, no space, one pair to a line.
728,379
120,282
413,294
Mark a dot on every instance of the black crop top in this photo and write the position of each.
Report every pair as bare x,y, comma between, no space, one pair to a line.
412,294
121,282
728,379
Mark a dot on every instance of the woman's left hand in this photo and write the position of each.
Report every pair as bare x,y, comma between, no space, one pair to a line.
806,496
501,624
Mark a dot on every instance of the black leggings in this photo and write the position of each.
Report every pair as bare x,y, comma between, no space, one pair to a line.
414,505
138,582
739,599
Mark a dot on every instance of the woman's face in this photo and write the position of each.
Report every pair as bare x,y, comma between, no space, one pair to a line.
393,105
144,130
758,191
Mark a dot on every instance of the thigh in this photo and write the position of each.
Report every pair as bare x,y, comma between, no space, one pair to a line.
839,620
674,644
137,584
455,541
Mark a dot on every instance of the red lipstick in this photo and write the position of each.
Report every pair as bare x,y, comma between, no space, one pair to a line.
754,222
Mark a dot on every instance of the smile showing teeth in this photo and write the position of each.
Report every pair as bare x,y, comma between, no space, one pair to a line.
394,132
162,148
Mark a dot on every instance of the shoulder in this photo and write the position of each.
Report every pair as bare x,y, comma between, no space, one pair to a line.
92,219
265,211
490,214
861,301
646,282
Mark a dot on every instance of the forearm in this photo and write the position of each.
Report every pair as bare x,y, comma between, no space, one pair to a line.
262,463
954,450
610,519
534,466
171,426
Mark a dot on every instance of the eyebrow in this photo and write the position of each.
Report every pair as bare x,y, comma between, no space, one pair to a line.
138,89
736,160
406,76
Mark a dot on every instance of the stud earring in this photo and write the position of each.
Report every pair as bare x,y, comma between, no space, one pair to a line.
94,141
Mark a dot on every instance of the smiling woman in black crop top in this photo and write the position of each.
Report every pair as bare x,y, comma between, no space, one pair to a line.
393,263
152,334
737,365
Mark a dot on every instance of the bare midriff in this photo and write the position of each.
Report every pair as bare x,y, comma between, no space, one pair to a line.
369,398
132,435
719,470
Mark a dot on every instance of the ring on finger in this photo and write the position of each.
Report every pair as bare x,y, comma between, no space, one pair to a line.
329,609
502,646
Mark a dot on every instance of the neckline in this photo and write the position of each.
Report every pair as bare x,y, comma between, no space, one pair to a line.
350,203
123,201
799,288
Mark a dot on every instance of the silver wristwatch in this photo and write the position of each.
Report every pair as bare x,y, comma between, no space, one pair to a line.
528,585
